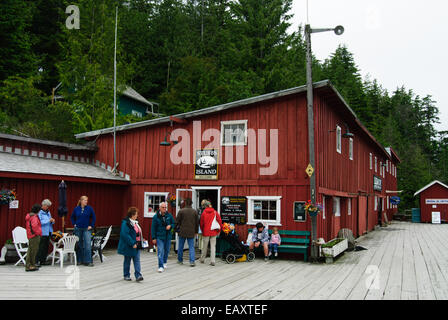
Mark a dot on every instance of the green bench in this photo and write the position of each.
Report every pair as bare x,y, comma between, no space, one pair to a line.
293,245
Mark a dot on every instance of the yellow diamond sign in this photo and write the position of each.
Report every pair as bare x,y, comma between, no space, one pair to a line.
309,170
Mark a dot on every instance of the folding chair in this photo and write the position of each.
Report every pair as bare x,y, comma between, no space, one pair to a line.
98,244
20,239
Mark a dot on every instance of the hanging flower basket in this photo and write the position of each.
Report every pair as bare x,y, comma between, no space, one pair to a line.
172,200
312,209
6,196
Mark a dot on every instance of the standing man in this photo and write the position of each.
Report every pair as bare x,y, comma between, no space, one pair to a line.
162,223
46,222
187,221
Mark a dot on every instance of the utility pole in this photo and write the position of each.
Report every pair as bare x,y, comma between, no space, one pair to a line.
309,83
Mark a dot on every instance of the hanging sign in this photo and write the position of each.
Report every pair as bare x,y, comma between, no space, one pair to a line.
395,200
206,164
234,209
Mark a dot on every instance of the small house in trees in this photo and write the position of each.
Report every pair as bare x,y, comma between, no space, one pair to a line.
433,201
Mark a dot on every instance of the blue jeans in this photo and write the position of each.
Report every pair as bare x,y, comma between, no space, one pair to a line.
180,250
273,247
127,266
84,251
163,249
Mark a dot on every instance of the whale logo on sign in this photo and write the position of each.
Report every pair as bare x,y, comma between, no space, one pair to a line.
206,162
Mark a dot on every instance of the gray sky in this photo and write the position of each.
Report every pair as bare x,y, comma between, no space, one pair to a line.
397,42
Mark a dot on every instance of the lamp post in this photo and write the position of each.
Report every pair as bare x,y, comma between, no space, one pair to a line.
309,82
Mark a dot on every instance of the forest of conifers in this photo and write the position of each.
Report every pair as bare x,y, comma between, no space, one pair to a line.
188,55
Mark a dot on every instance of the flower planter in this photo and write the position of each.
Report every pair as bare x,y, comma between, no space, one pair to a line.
8,254
330,252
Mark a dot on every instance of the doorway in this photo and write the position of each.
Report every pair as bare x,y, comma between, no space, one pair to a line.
213,194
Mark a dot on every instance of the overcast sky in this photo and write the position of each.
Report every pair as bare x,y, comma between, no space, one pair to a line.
397,42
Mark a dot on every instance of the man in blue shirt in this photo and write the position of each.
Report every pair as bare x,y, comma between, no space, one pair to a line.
47,229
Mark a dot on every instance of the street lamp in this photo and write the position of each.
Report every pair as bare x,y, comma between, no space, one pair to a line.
309,82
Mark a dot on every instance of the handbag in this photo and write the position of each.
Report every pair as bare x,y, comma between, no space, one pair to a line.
215,224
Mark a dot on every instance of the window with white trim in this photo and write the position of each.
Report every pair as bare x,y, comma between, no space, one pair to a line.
265,209
152,201
337,206
375,164
349,206
387,166
370,161
323,207
350,149
375,205
338,139
234,133
388,205
381,169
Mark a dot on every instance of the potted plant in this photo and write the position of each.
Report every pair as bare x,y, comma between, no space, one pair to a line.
6,196
172,200
8,252
333,248
312,209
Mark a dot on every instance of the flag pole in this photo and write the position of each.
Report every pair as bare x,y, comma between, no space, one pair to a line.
114,170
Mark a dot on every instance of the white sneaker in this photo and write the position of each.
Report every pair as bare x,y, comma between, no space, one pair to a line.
165,265
161,270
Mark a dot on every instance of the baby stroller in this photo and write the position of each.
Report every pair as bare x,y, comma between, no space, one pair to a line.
237,250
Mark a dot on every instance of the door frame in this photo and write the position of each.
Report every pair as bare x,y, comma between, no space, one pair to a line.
195,193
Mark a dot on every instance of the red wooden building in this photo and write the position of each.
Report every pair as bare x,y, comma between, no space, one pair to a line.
256,149
433,198
34,168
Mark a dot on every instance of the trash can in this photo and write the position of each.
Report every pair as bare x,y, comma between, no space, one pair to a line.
416,215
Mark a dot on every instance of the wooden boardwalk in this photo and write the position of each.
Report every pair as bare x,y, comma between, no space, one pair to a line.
403,261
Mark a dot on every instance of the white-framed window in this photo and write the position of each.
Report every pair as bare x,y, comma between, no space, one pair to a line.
337,206
234,133
387,205
137,113
338,139
349,206
265,209
375,205
152,201
375,164
323,207
350,149
381,168
370,161
387,166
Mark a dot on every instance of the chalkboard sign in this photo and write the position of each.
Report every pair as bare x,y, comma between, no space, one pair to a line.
299,211
234,209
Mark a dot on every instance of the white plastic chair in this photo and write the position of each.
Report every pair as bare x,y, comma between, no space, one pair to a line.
20,238
96,252
68,246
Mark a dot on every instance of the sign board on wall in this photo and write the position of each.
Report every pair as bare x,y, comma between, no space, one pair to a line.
377,183
234,210
206,164
436,201
299,211
14,204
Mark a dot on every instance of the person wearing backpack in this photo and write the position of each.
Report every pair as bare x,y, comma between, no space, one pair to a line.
208,216
33,233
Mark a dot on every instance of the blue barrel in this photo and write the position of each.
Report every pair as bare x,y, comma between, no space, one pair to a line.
416,215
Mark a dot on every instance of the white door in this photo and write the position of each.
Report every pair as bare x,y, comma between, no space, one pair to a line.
435,217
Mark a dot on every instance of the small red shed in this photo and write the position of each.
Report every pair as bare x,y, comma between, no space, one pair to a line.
433,199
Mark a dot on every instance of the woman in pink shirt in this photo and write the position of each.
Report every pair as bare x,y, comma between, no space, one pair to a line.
275,241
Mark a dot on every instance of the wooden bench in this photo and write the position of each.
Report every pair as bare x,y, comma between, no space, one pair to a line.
293,245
